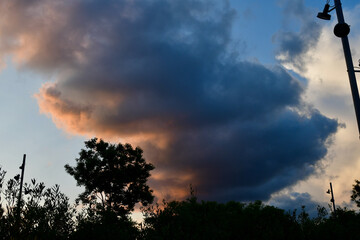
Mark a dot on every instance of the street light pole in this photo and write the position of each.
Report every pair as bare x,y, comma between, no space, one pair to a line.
332,198
341,26
341,30
22,167
330,191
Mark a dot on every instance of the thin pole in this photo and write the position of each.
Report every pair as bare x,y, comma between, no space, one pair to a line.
332,198
349,64
22,167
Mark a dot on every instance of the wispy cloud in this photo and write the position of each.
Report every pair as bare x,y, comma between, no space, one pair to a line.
295,201
294,44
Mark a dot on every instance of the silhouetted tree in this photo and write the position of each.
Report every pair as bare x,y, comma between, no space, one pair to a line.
355,196
105,225
344,225
114,177
2,216
45,212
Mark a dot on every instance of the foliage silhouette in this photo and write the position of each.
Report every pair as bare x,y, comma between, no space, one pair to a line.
105,225
112,169
191,219
344,225
45,212
114,177
355,193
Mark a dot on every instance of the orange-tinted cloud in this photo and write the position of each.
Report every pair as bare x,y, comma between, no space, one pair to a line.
159,74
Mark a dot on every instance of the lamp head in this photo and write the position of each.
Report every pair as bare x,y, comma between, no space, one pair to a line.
341,30
325,13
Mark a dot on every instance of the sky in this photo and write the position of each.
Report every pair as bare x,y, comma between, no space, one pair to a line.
244,100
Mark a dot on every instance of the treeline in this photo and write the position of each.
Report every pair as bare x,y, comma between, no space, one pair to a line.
191,219
115,176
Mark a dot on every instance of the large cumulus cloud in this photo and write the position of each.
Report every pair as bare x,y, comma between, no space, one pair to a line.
160,74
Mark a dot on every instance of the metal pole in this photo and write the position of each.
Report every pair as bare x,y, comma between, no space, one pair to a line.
22,167
332,198
349,64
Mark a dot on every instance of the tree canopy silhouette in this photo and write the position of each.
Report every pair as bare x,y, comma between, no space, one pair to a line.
45,212
191,219
355,193
114,177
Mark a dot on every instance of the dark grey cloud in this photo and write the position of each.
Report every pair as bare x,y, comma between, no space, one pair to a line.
249,160
292,45
159,74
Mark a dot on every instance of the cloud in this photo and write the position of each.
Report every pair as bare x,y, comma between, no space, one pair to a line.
160,74
329,91
250,160
292,45
295,200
